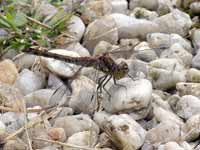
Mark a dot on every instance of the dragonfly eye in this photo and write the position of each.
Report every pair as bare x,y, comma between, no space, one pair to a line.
124,66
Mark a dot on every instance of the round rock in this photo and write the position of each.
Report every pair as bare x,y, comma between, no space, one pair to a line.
165,73
8,72
163,40
119,6
43,98
170,146
84,138
175,22
164,132
196,38
95,9
188,106
151,5
25,61
76,27
83,95
127,132
103,29
196,61
29,81
128,95
76,123
193,75
142,13
186,88
177,51
129,27
195,7
61,68
162,115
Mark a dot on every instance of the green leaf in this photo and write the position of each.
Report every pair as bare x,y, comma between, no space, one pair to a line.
60,17
20,19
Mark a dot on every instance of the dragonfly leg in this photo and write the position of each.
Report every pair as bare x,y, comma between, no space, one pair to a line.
100,82
105,88
115,82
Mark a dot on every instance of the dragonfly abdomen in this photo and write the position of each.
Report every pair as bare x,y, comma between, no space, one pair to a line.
82,61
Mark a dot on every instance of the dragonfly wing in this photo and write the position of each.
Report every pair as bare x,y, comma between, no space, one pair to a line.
61,92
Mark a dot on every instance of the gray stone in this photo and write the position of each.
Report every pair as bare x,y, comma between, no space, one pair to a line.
126,131
76,123
29,81
195,7
129,95
193,75
119,6
175,22
83,95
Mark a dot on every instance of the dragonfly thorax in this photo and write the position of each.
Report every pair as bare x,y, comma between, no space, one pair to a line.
121,70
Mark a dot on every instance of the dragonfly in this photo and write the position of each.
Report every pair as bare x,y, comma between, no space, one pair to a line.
102,62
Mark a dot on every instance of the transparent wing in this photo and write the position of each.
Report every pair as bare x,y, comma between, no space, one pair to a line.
61,90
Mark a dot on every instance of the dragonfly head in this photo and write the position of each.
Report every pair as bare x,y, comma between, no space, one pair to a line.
122,70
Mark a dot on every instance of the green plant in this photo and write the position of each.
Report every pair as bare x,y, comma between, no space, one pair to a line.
25,31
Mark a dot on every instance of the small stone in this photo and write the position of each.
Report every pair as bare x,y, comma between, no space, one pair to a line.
142,13
45,10
193,75
170,146
119,6
175,22
9,54
125,131
195,7
59,67
11,97
165,73
177,51
57,134
103,29
101,117
151,5
196,38
76,27
128,95
29,81
164,132
129,27
163,40
78,48
11,120
196,61
38,131
164,95
84,139
8,72
184,88
83,95
138,68
157,101
25,61
15,145
43,98
192,128
75,123
144,52
95,9
162,115
188,106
